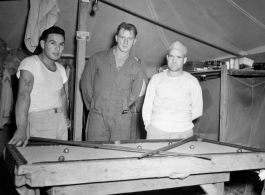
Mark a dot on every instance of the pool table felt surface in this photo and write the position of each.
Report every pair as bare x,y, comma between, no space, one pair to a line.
39,154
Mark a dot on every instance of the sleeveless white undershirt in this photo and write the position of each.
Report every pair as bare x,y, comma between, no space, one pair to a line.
47,84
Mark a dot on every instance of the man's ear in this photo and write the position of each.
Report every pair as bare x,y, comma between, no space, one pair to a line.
42,42
185,60
134,41
116,38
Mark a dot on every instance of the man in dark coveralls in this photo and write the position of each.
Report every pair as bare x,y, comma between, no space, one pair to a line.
111,82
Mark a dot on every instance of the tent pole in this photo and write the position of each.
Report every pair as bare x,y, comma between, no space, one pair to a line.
80,64
223,104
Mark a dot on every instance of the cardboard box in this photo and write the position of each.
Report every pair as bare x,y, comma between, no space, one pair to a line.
191,66
245,61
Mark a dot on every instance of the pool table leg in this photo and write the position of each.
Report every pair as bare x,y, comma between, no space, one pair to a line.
263,189
213,189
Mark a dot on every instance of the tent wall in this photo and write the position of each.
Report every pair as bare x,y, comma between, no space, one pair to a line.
207,126
246,103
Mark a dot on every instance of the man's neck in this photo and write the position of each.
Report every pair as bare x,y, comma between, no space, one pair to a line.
45,59
174,74
119,54
50,64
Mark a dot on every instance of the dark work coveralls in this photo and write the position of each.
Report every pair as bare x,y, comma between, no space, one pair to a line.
108,92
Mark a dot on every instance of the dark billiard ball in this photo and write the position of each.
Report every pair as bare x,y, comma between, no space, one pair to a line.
139,147
192,147
66,150
239,150
61,158
170,143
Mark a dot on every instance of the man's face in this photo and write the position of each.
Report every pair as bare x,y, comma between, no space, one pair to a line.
175,60
125,40
53,47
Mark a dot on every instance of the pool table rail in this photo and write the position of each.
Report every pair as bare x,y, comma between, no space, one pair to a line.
69,173
95,174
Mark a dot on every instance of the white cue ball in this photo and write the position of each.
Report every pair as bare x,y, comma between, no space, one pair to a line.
117,142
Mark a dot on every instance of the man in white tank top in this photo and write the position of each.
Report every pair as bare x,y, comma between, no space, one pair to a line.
41,107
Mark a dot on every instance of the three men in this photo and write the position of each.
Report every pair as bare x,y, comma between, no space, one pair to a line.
110,84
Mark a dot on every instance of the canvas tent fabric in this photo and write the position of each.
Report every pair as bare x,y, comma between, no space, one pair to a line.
201,19
245,117
207,126
235,25
245,113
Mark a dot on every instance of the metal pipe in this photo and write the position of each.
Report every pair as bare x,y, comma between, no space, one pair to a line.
169,28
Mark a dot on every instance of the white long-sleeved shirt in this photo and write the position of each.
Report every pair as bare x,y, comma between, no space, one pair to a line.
171,103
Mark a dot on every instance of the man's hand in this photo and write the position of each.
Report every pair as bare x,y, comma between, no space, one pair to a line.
125,111
19,138
68,122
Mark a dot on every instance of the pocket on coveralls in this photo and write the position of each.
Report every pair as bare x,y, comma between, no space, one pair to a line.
124,81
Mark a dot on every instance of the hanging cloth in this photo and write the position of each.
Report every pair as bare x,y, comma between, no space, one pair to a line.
43,14
6,102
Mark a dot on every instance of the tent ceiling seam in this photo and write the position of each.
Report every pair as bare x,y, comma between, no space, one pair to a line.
154,16
246,13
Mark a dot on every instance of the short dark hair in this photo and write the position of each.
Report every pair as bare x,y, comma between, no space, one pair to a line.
52,30
127,26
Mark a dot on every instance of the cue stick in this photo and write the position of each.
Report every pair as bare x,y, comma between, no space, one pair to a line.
157,151
110,147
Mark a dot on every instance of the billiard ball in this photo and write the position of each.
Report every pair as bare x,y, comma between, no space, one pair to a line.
61,158
139,147
199,139
192,147
66,150
239,150
117,142
170,143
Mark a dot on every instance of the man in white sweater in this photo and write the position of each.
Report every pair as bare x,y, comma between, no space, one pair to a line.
173,99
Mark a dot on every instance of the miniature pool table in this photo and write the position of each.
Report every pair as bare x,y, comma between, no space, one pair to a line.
69,169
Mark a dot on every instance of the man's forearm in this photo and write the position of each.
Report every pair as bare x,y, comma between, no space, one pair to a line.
146,114
64,105
22,108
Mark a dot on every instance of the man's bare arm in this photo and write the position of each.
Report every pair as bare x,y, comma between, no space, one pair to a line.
64,105
26,81
64,100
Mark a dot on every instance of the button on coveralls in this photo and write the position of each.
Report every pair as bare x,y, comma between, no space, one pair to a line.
107,92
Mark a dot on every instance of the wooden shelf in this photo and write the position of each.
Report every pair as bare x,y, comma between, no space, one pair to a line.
246,72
